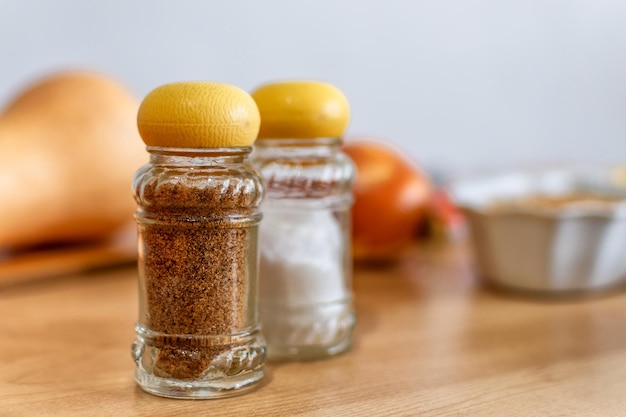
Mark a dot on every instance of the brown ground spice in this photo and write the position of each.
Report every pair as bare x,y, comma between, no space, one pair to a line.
195,269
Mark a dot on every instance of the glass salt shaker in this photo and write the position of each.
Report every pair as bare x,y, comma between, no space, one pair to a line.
305,252
198,199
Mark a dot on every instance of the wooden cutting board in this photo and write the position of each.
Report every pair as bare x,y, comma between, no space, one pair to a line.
40,264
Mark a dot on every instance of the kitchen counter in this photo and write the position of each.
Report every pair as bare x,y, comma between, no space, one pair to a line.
429,341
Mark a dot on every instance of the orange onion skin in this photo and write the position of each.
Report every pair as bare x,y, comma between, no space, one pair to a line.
392,196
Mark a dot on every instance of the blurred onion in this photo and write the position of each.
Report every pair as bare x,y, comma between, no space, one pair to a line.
392,196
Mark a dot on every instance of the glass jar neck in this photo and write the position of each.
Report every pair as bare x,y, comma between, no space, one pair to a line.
198,156
297,148
299,142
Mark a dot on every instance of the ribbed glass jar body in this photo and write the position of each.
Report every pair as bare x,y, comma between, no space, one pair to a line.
306,265
198,330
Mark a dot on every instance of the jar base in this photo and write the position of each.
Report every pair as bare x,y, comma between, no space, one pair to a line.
310,333
308,352
173,388
198,366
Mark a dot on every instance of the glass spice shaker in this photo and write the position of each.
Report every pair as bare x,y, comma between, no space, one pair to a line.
198,212
306,266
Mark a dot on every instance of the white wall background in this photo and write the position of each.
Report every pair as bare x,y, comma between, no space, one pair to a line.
458,84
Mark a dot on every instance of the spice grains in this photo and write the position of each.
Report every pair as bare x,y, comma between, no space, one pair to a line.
198,233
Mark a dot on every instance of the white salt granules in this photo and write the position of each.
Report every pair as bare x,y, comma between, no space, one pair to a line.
302,283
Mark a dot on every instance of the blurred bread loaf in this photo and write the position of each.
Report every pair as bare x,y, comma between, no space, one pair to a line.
68,149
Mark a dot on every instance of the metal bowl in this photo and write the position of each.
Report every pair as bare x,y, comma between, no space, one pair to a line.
560,245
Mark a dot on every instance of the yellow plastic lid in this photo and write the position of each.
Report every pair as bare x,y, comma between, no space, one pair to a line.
301,109
198,115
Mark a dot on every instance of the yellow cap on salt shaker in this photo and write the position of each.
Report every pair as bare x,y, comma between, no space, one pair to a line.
301,109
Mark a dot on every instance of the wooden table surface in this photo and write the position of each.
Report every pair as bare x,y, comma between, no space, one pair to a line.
429,342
